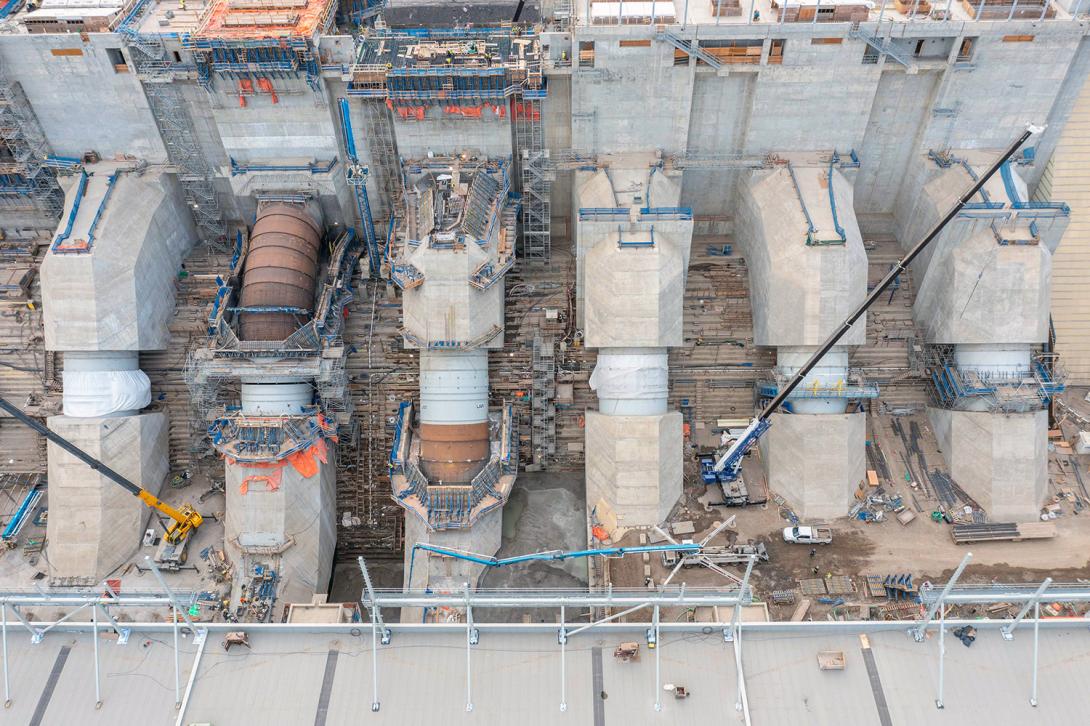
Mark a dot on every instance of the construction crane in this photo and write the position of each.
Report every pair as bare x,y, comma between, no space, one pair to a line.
184,521
728,466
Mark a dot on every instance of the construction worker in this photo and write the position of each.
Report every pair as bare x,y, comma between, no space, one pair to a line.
450,58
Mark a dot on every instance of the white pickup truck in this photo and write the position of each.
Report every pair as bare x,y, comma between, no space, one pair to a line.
805,534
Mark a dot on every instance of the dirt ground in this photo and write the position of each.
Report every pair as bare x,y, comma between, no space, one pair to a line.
922,548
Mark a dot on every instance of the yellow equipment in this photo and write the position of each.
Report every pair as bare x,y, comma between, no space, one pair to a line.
184,521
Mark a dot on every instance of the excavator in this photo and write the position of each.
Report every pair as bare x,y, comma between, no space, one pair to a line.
728,466
183,522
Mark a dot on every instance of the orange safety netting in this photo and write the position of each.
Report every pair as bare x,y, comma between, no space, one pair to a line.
245,88
225,19
304,462
473,111
270,480
525,110
417,112
265,86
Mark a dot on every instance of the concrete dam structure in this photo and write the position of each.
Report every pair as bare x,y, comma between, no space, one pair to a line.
396,314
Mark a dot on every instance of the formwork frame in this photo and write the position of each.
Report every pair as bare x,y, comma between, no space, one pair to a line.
26,175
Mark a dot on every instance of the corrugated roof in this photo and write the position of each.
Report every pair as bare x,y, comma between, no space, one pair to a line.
516,679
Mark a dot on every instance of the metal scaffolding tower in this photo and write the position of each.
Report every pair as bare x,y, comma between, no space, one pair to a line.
184,152
535,176
383,147
24,174
543,423
168,107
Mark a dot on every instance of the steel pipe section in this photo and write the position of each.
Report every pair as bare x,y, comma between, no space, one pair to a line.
104,384
453,414
830,370
631,381
276,399
1010,361
281,270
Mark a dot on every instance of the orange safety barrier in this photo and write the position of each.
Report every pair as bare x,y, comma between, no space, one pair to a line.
521,109
599,533
266,86
245,88
270,480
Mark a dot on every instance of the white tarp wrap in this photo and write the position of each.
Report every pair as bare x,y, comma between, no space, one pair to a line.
631,383
88,394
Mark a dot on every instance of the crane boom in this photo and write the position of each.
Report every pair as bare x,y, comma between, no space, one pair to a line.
185,520
731,461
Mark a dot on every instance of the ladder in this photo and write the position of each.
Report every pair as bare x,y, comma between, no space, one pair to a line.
543,400
535,177
168,107
383,148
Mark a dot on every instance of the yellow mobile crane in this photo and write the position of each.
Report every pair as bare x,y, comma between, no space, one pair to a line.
184,521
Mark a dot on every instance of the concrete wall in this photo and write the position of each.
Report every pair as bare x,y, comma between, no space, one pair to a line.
421,571
1000,460
296,129
94,524
638,469
800,293
823,96
296,516
442,133
120,295
81,102
611,107
816,461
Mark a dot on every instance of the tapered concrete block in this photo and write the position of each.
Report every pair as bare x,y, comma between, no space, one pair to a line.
1000,460
633,464
280,517
423,570
95,525
816,461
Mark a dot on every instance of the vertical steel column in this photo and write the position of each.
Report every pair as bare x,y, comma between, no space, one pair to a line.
177,665
374,665
4,627
919,631
1044,11
979,11
1075,12
881,14
685,18
942,656
658,670
915,9
1036,645
1014,6
718,11
749,18
946,15
376,620
816,8
469,648
201,640
1007,631
94,636
563,664
170,594
742,704
174,620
